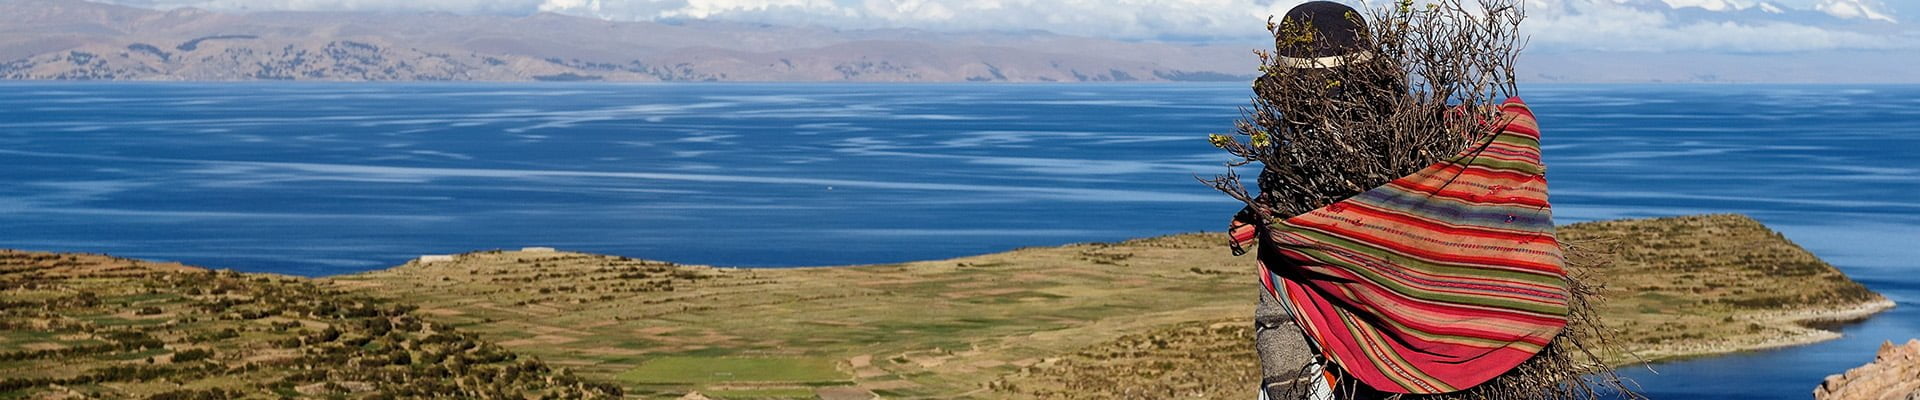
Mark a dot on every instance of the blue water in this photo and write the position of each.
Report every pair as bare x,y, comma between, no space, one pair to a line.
319,179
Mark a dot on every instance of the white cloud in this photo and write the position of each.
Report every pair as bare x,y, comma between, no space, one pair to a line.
1633,25
1866,9
454,6
1710,5
1609,25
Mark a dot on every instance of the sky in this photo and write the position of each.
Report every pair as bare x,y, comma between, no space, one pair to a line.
1737,26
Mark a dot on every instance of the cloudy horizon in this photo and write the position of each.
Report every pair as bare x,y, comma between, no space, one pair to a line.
1725,26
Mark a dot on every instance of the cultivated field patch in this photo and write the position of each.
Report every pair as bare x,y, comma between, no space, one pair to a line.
700,370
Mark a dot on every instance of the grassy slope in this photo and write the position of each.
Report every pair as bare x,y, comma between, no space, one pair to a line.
918,329
86,326
1697,285
1155,317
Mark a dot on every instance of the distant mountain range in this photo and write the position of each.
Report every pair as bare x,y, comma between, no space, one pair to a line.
80,40
71,39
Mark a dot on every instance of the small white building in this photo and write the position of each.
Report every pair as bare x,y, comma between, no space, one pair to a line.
434,258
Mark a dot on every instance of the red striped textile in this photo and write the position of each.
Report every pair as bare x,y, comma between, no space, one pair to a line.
1432,283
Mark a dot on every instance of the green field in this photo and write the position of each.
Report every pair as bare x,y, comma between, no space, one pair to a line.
746,394
922,329
701,370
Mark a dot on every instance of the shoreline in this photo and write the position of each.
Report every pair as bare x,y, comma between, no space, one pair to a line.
1797,323
1800,326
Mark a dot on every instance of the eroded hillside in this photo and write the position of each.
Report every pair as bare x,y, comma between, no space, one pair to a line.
88,326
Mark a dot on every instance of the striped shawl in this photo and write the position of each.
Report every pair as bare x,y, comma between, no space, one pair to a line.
1434,282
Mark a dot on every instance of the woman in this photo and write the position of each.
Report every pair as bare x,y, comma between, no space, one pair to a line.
1432,283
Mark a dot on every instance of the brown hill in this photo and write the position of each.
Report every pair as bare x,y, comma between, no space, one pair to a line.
1715,283
1149,318
89,326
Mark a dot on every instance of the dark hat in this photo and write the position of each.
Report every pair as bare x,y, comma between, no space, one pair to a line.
1321,34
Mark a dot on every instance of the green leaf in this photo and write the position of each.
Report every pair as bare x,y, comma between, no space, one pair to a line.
1219,140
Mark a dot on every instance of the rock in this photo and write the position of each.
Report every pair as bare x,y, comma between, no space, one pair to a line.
1894,374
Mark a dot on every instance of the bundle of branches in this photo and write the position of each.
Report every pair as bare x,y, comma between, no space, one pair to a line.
1426,88
1430,78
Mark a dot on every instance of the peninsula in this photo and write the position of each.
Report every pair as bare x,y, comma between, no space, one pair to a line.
1156,317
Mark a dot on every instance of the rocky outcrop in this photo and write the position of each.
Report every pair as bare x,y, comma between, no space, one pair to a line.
1894,374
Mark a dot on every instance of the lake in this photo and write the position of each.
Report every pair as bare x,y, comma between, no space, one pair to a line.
319,179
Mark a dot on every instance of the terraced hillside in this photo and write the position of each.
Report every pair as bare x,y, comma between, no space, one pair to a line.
1150,318
1153,318
88,326
1696,285
911,330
